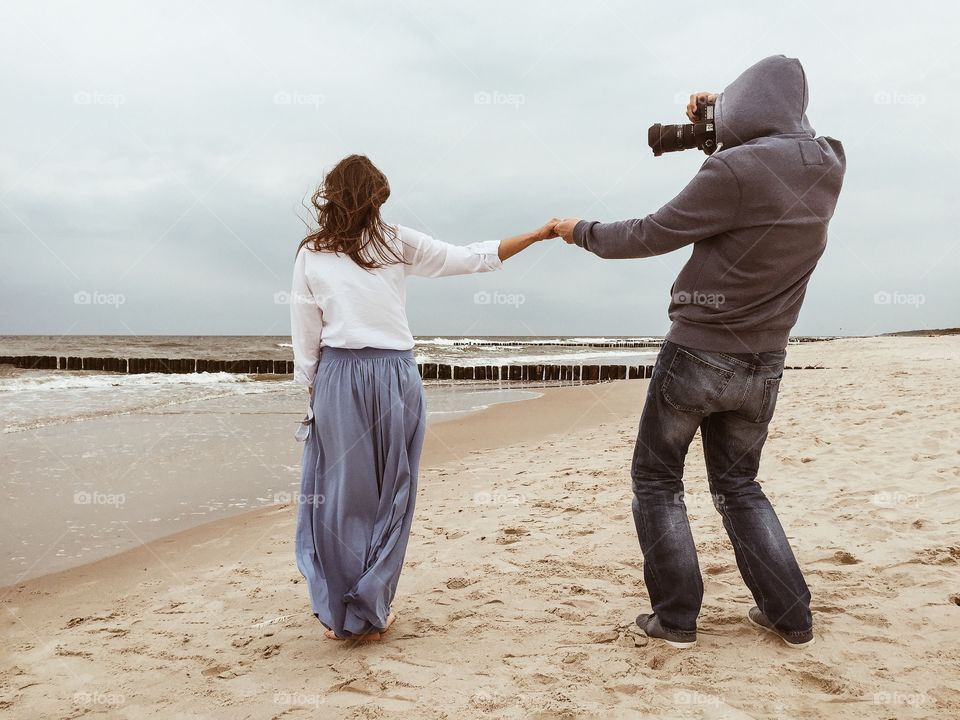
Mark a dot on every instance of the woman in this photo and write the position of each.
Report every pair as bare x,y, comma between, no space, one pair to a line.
353,347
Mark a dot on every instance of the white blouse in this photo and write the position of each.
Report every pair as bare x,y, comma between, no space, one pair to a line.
337,303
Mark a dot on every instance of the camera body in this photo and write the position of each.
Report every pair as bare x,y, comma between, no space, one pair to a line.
701,135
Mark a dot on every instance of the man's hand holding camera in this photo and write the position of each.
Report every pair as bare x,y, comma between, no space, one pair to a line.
707,97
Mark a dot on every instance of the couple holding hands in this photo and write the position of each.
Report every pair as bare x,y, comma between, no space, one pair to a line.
756,214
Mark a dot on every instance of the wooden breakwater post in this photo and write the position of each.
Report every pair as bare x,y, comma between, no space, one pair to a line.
534,373
135,366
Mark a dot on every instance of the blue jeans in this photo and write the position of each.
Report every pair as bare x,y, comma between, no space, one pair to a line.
730,397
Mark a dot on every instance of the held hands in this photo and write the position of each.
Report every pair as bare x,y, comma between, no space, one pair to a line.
564,228
556,227
546,231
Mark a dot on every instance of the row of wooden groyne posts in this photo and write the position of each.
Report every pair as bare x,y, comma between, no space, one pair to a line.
543,372
646,343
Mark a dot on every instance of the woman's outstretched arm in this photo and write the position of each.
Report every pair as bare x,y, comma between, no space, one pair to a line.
428,257
518,243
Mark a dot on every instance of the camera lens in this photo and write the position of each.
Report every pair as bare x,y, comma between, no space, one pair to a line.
670,138
654,139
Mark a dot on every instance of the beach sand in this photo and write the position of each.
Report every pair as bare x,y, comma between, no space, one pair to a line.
524,574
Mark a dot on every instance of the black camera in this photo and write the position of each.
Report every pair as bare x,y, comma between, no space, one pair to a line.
701,135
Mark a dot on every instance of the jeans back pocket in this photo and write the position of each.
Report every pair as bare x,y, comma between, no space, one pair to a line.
694,385
768,403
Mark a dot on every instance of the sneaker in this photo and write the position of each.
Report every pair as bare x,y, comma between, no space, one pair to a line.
650,624
794,639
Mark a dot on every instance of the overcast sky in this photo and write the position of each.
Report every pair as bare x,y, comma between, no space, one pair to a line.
155,155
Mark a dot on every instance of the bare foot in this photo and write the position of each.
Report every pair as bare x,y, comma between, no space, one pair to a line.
369,637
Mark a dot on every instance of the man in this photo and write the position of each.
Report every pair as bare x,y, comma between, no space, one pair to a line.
756,214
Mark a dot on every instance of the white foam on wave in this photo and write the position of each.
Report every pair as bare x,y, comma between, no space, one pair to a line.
62,381
450,342
623,356
33,400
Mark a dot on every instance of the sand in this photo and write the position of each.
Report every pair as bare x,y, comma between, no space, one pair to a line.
523,577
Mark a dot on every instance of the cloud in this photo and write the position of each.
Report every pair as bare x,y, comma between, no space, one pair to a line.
164,153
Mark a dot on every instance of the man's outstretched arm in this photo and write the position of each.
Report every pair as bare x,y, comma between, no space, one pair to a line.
707,206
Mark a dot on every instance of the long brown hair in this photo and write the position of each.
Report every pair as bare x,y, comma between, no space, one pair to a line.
347,206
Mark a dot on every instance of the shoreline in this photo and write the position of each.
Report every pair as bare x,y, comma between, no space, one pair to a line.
108,482
440,446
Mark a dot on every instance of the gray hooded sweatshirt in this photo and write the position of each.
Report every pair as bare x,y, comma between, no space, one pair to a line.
756,214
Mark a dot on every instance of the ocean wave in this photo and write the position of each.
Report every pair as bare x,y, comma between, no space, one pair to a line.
617,356
60,381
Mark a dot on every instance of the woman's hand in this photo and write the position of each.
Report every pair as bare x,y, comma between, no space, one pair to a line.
548,230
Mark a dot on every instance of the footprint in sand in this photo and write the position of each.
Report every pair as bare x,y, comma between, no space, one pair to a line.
458,583
841,557
219,671
511,535
718,569
820,677
937,556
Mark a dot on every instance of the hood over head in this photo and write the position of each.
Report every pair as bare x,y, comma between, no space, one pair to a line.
769,98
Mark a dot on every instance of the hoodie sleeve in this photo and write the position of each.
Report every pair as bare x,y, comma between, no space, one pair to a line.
707,206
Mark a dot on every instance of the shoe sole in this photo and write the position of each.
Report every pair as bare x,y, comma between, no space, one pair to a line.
786,642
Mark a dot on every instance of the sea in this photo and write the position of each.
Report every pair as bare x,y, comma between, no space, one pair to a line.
95,463
35,398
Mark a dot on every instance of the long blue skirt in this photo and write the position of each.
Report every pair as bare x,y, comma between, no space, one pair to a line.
359,484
